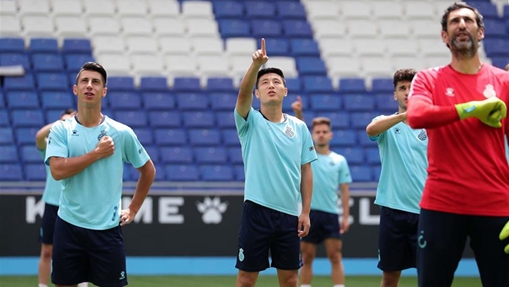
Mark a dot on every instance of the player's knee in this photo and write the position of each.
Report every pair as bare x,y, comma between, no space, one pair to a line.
334,257
244,280
292,281
390,279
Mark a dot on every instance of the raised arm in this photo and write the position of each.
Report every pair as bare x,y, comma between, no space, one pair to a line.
384,123
245,97
297,108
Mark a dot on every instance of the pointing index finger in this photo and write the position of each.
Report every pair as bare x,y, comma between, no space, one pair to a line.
264,51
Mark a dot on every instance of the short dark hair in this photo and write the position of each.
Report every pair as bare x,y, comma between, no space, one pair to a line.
68,111
321,121
403,75
459,5
269,71
93,66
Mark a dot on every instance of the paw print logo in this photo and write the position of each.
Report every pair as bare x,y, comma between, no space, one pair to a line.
212,210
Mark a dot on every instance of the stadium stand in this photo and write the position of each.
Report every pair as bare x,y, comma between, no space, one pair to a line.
174,67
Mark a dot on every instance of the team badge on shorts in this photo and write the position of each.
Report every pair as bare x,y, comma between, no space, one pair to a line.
241,254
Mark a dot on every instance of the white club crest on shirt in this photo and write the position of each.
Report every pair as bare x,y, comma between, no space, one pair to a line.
449,92
289,131
489,91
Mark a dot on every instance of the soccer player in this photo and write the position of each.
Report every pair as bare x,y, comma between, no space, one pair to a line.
51,197
277,150
330,170
87,153
463,107
404,162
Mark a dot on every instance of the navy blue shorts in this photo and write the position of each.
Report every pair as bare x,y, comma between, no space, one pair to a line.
442,239
265,230
324,225
85,255
48,224
397,239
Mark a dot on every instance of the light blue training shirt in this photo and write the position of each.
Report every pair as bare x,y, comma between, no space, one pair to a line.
403,153
329,171
91,198
52,188
273,154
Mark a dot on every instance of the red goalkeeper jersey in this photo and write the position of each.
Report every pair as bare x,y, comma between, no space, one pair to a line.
468,172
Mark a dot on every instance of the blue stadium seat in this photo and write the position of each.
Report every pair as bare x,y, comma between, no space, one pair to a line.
234,28
343,138
225,119
487,9
352,85
43,45
8,154
25,82
506,12
361,120
230,137
184,172
144,136
376,173
292,97
124,100
52,82
266,28
57,99
4,118
170,137
290,10
14,59
216,173
311,66
500,62
35,171
228,9
496,47
30,154
176,154
158,101
27,118
220,85
359,102
382,85
277,46
373,156
325,102
22,100
304,47
239,172
223,101
44,62
153,84
192,102
120,83
235,155
131,118
76,46
495,28
364,140
294,85
297,29
53,115
204,155
74,62
317,84
134,174
198,119
260,9
204,137
154,153
12,45
186,84
309,116
385,103
160,119
354,155
11,172
361,173
24,136
339,120
2,100
6,136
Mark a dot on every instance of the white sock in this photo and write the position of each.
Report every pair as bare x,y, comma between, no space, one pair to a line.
339,285
42,285
84,284
305,285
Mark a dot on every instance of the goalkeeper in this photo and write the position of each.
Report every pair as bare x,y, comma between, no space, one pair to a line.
463,107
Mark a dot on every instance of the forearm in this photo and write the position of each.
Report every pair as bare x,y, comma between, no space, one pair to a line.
41,135
147,176
306,187
383,124
245,97
345,199
299,115
62,168
424,115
